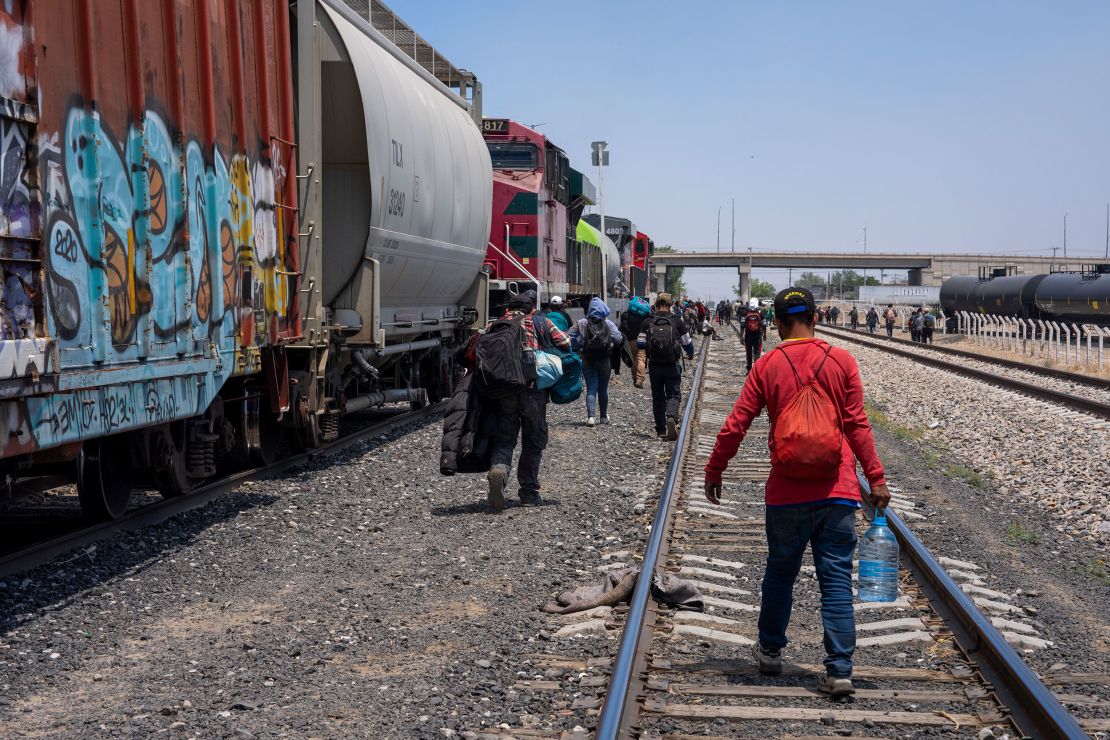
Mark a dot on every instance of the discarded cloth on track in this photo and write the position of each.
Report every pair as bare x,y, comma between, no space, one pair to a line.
619,585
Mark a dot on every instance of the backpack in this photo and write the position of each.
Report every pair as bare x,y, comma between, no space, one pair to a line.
890,314
806,435
661,341
918,322
930,321
753,321
598,343
637,306
499,355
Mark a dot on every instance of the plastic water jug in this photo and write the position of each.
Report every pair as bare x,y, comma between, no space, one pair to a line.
878,562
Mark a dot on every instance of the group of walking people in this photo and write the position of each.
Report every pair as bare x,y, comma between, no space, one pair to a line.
812,492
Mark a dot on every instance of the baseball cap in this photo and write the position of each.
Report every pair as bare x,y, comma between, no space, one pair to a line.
556,300
794,301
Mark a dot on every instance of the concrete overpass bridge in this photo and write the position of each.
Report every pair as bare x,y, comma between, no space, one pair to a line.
928,269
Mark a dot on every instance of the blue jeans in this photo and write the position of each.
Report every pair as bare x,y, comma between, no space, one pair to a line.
597,386
830,531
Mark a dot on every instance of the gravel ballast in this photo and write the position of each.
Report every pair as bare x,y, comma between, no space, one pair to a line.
1030,453
364,596
1011,483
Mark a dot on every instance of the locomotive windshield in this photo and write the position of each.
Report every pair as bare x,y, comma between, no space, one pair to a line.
517,156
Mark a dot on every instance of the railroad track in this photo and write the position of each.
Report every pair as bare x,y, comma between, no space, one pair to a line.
162,509
914,352
1048,372
928,662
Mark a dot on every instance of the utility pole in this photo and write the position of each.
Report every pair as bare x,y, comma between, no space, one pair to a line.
1065,236
734,224
1106,254
865,240
1052,267
718,229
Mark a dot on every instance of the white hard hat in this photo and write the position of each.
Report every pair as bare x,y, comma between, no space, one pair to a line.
556,300
753,303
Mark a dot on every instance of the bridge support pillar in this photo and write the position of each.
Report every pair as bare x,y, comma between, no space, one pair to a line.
660,278
745,283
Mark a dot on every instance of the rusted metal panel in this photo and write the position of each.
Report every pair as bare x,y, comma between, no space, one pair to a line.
158,137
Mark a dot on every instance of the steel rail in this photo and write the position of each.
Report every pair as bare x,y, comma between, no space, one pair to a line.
618,696
1032,706
1079,403
1050,372
43,552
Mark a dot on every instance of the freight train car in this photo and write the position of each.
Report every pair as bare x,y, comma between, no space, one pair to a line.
1075,297
197,260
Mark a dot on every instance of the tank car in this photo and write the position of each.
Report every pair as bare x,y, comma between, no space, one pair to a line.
197,260
958,294
1011,295
1080,298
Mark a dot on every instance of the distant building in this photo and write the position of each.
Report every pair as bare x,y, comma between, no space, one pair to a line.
914,295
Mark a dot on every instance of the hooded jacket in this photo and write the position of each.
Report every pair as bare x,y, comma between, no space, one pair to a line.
598,310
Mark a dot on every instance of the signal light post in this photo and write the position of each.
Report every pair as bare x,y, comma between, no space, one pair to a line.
601,159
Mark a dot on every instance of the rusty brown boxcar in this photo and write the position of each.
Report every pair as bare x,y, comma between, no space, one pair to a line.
223,222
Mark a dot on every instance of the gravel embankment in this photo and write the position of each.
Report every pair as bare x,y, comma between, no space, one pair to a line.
1025,453
1013,484
365,596
1082,390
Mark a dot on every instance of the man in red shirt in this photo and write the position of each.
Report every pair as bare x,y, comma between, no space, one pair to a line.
801,511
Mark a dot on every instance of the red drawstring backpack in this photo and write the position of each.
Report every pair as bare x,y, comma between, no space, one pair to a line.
805,440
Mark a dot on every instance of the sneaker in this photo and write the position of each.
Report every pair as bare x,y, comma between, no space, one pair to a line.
498,476
672,429
661,435
530,498
605,420
769,661
836,685
591,421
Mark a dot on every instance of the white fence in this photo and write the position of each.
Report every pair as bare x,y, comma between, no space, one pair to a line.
1071,344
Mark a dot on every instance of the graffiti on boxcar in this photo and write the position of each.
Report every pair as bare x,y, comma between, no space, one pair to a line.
189,244
23,358
15,195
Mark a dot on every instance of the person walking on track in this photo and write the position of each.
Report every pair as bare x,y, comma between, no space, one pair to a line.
660,344
753,332
520,408
814,400
928,324
890,316
557,315
594,337
872,320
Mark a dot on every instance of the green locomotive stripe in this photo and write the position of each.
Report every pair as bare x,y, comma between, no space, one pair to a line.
523,204
524,246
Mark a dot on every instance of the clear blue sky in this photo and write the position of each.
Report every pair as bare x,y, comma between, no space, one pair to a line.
947,126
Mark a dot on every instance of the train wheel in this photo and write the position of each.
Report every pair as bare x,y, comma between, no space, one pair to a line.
105,477
170,474
304,433
261,431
